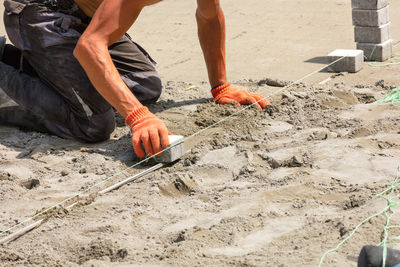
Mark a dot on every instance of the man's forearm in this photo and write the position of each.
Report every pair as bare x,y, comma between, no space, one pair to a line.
211,32
110,22
96,61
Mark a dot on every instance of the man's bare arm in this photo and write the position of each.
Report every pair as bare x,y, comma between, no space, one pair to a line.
211,32
111,20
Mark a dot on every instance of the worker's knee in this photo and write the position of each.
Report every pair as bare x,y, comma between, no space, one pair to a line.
99,127
146,86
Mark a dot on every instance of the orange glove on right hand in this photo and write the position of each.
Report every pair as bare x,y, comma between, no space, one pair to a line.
225,94
146,128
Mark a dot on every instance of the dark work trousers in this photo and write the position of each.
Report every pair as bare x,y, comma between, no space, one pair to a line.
57,96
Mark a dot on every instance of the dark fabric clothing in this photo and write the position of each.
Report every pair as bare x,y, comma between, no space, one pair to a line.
57,94
13,58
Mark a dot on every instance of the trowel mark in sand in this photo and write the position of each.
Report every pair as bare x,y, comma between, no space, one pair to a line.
206,219
255,203
275,228
180,187
372,112
18,170
278,202
278,127
225,157
352,163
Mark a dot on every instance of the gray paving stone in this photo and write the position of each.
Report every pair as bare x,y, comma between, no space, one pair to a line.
176,151
369,4
371,18
352,62
375,35
377,52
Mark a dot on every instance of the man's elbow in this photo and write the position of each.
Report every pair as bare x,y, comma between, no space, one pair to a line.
209,11
80,49
89,46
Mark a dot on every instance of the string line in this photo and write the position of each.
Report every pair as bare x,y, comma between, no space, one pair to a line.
395,60
393,97
389,208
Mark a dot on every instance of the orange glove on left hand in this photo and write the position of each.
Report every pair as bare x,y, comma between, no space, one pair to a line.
225,94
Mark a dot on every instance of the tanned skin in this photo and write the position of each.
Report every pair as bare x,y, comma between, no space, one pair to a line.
112,20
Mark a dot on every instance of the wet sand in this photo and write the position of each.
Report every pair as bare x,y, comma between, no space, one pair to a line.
274,188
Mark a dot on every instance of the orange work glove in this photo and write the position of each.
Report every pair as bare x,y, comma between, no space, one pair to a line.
225,94
146,128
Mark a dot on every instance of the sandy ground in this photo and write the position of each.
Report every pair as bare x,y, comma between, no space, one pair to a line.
274,188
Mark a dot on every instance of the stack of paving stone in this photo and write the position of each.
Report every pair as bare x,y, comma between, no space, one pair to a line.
372,28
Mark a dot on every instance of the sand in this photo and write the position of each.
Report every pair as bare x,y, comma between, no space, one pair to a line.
273,188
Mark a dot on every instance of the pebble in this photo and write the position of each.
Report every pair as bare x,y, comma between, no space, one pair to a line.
300,94
288,96
320,135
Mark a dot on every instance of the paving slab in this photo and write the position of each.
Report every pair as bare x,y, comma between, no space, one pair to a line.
377,52
375,35
352,62
371,18
369,4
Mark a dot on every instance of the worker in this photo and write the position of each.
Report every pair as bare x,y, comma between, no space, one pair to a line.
71,61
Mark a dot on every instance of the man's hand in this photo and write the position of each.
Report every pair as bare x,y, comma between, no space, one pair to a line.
146,128
225,94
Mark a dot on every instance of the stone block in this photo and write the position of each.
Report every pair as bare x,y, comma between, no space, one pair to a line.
377,52
375,35
371,18
352,62
176,150
369,4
